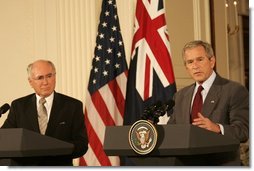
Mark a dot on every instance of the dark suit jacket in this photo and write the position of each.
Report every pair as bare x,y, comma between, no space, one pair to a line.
66,123
227,103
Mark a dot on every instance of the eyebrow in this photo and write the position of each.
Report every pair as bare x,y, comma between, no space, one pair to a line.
196,58
42,76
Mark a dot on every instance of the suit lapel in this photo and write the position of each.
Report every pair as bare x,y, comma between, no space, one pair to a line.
32,114
212,97
187,102
55,111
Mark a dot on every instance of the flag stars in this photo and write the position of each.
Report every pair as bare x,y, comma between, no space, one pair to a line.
101,36
96,70
109,58
107,13
117,65
105,73
104,24
97,58
109,50
114,28
107,62
110,2
99,47
120,43
112,39
119,54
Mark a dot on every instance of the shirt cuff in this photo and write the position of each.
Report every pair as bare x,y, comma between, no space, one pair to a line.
221,129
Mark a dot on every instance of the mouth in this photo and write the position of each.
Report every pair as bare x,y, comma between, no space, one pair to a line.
197,73
45,88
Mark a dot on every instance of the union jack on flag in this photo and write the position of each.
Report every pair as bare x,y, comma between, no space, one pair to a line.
151,77
107,87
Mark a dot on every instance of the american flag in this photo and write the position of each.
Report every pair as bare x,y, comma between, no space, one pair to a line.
150,77
107,86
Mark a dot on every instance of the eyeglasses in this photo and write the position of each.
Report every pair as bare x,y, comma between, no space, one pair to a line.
42,77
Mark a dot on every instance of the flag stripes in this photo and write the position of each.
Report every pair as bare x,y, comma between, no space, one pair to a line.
103,103
105,99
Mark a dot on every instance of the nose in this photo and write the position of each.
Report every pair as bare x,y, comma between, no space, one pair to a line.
195,64
45,80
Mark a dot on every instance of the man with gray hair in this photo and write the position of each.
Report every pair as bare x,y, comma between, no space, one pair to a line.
212,102
49,113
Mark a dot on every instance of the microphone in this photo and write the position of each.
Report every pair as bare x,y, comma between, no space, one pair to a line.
4,108
153,112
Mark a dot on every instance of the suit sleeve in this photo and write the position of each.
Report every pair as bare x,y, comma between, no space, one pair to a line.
238,114
172,113
79,133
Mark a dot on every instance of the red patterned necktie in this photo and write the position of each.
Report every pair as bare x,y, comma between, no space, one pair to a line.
197,103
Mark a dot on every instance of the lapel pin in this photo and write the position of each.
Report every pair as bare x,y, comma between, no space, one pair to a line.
212,101
61,123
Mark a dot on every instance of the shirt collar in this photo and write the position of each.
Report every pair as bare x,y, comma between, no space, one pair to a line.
208,83
49,99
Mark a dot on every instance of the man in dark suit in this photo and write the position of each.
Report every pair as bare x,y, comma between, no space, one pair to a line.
65,117
225,108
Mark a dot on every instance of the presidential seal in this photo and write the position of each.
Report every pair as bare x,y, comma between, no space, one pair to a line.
142,137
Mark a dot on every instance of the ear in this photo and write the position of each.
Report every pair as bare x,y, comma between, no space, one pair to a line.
30,81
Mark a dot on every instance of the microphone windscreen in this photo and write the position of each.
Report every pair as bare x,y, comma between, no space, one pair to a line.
4,108
171,103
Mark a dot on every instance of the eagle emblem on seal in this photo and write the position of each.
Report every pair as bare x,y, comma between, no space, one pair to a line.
143,135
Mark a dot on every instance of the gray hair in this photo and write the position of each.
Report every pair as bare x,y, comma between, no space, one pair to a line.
208,48
30,66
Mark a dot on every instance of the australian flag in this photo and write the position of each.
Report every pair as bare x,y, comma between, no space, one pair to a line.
151,77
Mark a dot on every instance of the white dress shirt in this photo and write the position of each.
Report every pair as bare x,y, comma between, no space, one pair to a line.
48,104
206,87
